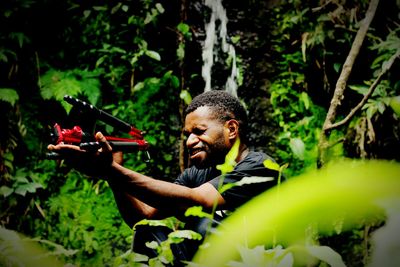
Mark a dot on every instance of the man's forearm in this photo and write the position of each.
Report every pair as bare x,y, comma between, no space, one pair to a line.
163,195
131,209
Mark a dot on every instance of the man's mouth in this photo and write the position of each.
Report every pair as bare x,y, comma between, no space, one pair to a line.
194,152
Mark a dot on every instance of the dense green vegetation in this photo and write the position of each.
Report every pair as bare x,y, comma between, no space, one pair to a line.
141,61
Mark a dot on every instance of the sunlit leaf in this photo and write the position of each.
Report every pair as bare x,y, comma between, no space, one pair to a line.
385,240
287,261
5,191
226,187
139,86
125,8
9,95
361,89
327,255
198,212
86,13
151,222
270,164
186,234
160,8
297,146
395,104
353,188
100,8
152,244
305,99
230,158
249,257
180,52
153,54
235,39
18,250
185,96
183,28
381,107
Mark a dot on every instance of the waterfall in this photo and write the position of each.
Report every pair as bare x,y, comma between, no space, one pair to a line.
218,13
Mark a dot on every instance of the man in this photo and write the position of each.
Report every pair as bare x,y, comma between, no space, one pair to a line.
214,122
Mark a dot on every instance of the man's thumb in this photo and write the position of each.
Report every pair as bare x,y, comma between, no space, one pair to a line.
106,147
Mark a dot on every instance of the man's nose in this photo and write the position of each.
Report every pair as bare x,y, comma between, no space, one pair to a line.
192,140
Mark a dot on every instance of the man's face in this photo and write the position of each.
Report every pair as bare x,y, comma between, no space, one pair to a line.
207,138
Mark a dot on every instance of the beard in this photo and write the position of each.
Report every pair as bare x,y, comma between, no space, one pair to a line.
215,154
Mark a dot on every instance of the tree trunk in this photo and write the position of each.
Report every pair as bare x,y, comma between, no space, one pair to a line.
338,94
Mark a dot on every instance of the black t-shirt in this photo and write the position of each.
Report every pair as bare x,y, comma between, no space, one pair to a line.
251,166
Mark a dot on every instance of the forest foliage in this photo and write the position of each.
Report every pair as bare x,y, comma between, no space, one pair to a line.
141,61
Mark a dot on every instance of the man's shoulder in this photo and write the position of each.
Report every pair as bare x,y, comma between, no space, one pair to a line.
193,177
256,158
254,165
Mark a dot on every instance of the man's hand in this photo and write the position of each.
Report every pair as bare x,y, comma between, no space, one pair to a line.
92,163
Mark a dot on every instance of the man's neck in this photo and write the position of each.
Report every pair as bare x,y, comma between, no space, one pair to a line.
243,152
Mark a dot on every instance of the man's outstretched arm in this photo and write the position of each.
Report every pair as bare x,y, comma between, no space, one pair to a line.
138,196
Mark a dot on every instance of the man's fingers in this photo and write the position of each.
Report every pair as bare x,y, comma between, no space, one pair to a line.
105,146
62,146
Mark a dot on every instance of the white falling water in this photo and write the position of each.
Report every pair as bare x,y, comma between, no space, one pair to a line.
218,13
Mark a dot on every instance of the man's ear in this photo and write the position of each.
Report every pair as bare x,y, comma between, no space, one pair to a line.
233,128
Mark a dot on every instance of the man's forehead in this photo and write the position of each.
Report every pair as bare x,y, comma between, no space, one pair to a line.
202,111
199,116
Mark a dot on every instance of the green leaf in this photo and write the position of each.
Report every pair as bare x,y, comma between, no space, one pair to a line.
180,52
371,110
385,239
21,190
21,180
58,249
395,104
31,187
250,257
287,261
269,164
235,39
226,187
151,222
361,89
139,86
185,96
100,8
297,146
230,159
9,95
5,191
197,211
381,107
304,98
183,28
152,245
327,255
153,54
174,81
86,13
125,8
337,66
187,234
160,8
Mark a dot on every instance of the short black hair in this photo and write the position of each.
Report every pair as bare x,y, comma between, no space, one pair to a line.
224,106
